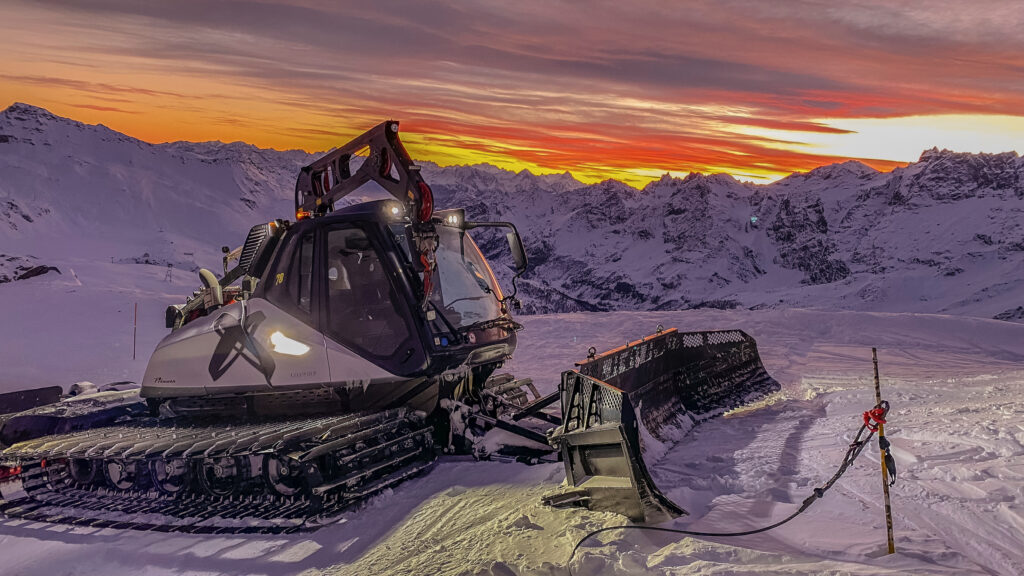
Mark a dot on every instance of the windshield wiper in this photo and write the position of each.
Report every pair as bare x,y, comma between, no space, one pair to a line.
452,330
480,282
449,304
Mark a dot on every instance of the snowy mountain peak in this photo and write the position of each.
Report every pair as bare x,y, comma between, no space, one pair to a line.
851,167
559,182
22,111
833,174
36,119
719,180
696,185
934,154
21,120
943,176
242,152
34,125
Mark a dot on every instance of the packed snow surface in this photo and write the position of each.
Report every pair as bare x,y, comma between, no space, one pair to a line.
956,427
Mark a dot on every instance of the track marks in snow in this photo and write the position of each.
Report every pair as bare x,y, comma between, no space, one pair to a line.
961,467
958,504
488,520
957,429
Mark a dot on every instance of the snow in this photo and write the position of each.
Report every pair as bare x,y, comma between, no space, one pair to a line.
95,203
954,383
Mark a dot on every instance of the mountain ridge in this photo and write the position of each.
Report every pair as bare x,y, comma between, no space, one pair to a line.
943,234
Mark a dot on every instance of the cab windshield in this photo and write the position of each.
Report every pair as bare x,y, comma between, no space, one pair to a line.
465,291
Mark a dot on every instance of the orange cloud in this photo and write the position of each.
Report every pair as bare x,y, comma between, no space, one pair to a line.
625,90
104,108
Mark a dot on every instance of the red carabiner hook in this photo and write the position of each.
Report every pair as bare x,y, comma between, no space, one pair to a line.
874,417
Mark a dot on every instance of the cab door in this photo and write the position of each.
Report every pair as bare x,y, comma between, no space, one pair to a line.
366,312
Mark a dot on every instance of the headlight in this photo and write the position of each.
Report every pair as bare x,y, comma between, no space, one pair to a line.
285,345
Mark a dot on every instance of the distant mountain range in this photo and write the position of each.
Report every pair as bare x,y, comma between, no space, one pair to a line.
944,234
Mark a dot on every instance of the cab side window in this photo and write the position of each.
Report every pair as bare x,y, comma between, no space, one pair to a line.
291,282
301,286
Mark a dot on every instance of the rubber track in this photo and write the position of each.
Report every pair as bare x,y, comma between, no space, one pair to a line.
376,451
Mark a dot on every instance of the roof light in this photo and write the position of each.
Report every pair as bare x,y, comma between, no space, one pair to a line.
453,218
303,214
285,345
393,210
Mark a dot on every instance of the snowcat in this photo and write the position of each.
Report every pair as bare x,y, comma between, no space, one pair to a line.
338,355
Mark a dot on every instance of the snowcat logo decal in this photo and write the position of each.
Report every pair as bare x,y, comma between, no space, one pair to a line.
235,343
279,279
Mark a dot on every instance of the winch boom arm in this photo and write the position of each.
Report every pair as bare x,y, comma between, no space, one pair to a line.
330,178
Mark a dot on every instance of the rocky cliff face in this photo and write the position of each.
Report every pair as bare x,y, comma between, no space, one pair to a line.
944,234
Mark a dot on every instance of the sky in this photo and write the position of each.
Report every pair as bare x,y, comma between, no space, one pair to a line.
625,90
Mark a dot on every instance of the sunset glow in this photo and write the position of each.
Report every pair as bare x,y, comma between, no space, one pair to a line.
609,90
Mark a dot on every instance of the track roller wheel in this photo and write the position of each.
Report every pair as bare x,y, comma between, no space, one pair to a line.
83,470
282,475
57,475
221,476
64,472
170,476
123,474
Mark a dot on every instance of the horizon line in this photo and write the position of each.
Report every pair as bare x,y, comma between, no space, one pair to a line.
739,178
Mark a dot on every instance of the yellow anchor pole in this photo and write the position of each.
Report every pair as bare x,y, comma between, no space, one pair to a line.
885,471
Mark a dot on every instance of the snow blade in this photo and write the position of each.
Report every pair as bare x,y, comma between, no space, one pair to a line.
21,400
70,415
628,402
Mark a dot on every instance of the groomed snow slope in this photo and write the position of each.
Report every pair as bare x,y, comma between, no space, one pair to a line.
956,427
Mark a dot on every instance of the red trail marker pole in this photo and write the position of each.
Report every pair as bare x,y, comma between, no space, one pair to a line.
135,328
